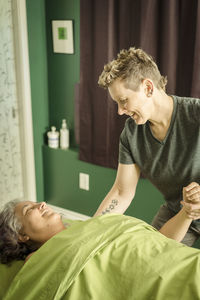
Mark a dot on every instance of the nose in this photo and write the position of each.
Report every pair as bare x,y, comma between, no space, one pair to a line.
42,205
121,110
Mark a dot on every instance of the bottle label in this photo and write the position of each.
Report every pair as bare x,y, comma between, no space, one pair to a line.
53,142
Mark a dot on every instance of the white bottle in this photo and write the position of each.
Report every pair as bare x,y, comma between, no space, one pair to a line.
53,138
64,135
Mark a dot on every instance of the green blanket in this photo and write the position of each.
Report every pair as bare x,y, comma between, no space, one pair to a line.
111,257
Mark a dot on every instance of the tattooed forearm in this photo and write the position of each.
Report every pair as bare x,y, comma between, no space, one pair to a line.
113,204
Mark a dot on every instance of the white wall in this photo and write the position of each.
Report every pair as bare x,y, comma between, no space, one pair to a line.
17,173
11,180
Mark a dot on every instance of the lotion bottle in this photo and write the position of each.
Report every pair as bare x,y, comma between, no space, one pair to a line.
64,135
53,138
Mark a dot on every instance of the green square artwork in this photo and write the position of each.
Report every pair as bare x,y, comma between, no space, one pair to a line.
62,33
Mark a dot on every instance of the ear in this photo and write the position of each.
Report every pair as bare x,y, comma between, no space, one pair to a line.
148,87
23,238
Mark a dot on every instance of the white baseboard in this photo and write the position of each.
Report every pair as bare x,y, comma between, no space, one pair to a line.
69,214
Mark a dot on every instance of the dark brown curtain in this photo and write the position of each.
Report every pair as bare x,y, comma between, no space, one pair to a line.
169,30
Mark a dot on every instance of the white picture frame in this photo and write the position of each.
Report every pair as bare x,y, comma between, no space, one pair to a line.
63,41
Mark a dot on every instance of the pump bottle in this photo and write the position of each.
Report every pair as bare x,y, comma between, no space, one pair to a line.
64,135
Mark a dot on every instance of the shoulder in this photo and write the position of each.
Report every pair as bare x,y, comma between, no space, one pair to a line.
130,123
187,101
130,127
133,132
28,256
188,108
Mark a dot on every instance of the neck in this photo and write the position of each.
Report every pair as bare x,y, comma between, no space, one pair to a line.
162,109
45,236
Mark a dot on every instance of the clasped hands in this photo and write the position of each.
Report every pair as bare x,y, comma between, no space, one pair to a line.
191,200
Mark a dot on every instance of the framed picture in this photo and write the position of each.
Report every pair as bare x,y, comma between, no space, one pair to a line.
63,41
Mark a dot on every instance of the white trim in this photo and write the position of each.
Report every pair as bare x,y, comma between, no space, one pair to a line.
69,214
24,95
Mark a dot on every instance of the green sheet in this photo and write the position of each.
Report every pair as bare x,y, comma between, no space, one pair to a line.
111,257
7,273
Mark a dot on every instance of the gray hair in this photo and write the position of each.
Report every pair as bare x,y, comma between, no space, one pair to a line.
8,216
10,246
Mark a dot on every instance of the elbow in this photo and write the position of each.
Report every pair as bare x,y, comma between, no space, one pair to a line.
127,195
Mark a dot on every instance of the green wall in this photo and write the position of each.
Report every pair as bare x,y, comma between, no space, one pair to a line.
52,82
63,69
39,83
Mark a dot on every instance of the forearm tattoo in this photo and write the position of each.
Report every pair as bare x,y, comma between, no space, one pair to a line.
113,204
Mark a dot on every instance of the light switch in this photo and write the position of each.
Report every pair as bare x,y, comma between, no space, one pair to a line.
84,181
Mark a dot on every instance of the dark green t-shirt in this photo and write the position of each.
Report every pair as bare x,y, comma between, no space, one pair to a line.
173,163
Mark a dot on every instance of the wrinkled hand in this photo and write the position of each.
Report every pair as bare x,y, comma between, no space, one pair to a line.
191,200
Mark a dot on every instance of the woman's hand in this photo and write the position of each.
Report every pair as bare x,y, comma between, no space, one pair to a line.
191,200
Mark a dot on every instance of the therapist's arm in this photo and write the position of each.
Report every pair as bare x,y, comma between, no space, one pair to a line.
177,227
123,191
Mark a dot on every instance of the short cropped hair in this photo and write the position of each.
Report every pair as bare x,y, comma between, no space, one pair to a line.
132,66
10,246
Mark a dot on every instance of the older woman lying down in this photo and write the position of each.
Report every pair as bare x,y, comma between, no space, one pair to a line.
107,257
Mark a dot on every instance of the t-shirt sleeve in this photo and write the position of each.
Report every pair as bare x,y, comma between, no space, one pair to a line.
196,110
125,156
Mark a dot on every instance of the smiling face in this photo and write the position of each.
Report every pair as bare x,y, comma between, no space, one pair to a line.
136,104
39,222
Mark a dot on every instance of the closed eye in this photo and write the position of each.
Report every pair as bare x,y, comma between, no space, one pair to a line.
28,210
123,101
